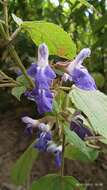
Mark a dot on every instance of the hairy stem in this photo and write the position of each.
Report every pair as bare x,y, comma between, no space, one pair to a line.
20,65
5,6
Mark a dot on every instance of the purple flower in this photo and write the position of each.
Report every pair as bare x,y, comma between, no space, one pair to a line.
42,141
44,100
30,124
58,159
57,150
43,76
78,73
82,79
28,130
78,127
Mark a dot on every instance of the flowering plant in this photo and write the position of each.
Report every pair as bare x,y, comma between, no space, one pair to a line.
73,112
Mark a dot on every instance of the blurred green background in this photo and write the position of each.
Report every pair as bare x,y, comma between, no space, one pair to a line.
86,21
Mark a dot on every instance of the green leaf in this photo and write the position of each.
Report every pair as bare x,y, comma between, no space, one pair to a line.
75,140
18,91
23,85
55,182
18,20
23,166
71,152
23,81
58,41
94,105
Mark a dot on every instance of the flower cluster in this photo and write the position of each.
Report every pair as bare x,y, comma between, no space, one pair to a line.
44,141
43,75
77,73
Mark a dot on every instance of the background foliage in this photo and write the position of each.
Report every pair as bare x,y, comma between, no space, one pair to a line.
86,25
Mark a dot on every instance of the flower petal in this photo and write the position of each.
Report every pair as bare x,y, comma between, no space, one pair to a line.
78,127
32,70
82,79
44,100
84,53
43,55
58,158
49,72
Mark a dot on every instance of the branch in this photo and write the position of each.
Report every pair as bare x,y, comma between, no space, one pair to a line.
15,56
5,6
8,85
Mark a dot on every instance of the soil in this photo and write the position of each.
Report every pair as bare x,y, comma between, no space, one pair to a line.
13,142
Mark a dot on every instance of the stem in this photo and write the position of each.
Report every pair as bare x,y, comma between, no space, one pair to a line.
63,149
5,6
14,35
8,85
20,65
15,57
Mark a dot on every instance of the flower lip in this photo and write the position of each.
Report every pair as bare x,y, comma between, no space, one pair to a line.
29,120
43,50
43,55
51,147
58,159
76,72
84,53
78,127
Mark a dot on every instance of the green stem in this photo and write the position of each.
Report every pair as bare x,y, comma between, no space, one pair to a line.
8,85
15,56
5,6
20,65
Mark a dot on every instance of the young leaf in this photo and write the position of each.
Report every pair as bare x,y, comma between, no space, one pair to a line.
23,85
58,41
23,81
94,105
55,182
18,91
18,20
73,153
23,166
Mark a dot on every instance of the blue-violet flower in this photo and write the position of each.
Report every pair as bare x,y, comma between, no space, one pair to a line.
43,75
77,73
30,124
78,127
